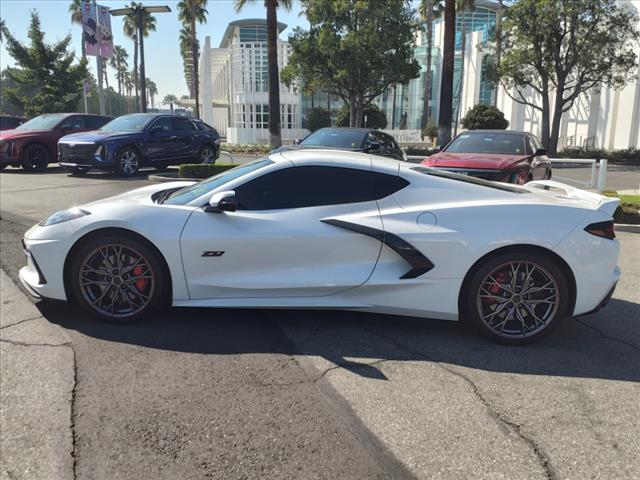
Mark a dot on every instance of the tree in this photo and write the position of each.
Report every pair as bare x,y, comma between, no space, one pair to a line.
272,6
170,99
317,118
130,29
75,9
354,49
553,51
428,9
190,12
46,69
446,84
187,57
372,117
484,117
119,63
152,90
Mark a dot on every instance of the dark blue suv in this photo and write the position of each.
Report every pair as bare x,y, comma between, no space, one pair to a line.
130,142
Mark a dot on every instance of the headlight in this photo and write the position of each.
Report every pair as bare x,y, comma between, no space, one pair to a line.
99,150
64,216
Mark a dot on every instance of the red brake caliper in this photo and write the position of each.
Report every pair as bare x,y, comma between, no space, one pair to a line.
141,283
495,288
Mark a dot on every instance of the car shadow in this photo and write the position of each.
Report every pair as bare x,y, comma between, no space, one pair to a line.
357,341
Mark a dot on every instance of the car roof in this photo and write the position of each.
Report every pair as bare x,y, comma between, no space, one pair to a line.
509,132
350,129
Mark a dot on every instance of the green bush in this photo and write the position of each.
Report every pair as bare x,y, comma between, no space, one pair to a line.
430,131
317,118
628,156
484,117
374,117
200,170
232,148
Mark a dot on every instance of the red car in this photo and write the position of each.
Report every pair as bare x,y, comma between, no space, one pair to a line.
34,144
498,155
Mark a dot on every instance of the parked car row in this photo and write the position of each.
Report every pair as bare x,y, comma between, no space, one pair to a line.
80,142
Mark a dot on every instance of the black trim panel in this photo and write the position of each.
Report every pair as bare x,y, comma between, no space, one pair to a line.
419,263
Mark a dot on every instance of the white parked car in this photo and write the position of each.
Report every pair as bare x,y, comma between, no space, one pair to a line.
336,230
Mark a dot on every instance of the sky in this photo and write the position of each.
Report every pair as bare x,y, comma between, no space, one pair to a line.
162,54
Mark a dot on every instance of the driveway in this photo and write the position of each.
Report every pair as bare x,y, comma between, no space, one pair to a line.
292,394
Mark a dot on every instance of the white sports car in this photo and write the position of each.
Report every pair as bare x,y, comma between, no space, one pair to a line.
336,230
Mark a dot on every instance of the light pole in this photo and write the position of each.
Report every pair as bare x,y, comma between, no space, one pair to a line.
138,12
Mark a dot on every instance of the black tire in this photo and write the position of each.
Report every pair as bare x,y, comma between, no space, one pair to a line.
206,155
516,311
3,166
35,158
77,170
127,162
136,294
548,174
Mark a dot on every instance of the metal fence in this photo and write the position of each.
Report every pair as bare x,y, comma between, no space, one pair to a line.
598,171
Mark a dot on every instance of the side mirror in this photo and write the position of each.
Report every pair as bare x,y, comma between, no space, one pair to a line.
222,202
297,141
540,152
372,147
438,148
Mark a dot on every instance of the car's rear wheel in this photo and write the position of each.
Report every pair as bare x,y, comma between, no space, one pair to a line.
127,162
35,158
207,155
517,298
117,278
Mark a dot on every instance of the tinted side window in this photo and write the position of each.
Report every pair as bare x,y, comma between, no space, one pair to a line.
94,122
76,122
312,186
164,122
182,124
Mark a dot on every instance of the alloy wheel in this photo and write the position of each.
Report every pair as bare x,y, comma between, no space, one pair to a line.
129,162
207,155
116,280
518,299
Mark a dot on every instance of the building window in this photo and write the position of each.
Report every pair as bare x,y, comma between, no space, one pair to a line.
262,116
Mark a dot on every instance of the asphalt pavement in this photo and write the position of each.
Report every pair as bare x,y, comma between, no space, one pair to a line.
291,394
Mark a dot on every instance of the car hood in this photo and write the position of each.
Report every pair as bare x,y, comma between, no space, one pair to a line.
140,195
95,136
17,134
492,161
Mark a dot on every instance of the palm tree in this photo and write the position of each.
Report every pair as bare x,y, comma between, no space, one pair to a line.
272,6
427,10
130,29
152,90
446,86
75,9
119,63
187,57
190,12
169,99
462,6
128,85
498,35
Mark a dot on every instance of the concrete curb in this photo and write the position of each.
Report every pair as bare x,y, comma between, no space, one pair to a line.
627,227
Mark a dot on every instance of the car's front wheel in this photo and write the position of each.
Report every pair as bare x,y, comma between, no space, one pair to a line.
517,298
207,155
127,162
117,278
35,158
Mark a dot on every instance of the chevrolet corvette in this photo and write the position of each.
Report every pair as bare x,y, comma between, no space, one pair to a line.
327,229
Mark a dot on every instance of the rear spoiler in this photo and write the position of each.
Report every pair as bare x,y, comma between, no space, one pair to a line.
599,202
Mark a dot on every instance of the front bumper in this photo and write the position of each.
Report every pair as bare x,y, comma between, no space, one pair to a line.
42,276
6,159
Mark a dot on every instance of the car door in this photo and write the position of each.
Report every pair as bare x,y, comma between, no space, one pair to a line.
160,141
276,243
187,138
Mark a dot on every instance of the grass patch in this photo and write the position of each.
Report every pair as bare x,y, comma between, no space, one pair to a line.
629,208
203,171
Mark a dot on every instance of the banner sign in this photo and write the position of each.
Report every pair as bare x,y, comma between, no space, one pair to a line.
96,30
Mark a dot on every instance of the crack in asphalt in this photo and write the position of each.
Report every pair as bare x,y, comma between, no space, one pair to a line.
24,344
542,458
607,337
21,321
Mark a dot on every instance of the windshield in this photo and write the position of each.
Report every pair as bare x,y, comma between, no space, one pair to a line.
468,179
190,193
128,123
43,122
488,142
334,138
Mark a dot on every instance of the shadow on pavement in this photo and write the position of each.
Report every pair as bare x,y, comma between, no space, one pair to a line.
355,341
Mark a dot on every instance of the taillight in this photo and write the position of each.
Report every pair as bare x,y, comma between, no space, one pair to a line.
601,229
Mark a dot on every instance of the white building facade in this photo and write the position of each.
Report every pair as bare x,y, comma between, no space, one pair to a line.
234,85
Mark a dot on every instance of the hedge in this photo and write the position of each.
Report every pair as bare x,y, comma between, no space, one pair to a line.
199,170
232,148
628,156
